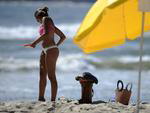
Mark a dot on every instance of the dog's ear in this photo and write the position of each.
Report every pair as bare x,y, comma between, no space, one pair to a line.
88,75
78,78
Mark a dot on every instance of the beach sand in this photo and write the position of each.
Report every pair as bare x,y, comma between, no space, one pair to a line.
69,106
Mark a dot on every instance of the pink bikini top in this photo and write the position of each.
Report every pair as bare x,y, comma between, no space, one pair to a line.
42,29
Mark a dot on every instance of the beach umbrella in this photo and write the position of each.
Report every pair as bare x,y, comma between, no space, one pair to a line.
110,23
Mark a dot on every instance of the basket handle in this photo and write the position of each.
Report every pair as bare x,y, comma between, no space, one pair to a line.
120,82
129,84
92,92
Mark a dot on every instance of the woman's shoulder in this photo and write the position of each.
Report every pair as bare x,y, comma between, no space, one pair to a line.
48,20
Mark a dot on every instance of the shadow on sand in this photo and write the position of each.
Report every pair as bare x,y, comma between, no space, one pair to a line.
98,102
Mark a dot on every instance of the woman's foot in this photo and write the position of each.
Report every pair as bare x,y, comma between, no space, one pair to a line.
41,99
53,106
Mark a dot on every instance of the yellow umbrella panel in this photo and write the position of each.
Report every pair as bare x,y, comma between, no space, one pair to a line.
109,23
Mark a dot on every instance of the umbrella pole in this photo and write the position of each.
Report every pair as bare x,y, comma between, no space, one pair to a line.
140,64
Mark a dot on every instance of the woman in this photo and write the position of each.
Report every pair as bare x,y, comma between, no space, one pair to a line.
50,51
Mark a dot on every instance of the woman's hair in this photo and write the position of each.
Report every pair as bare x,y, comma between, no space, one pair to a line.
41,12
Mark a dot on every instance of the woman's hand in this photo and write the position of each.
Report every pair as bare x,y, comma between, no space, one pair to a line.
32,45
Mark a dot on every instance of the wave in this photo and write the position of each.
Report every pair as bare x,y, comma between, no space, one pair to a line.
13,64
77,62
29,32
69,29
73,62
133,59
123,62
19,32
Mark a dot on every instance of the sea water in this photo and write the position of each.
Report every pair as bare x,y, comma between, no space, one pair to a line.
19,66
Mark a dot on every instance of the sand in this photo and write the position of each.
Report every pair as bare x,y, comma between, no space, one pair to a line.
69,106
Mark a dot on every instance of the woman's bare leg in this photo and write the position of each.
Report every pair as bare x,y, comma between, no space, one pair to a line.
43,75
51,58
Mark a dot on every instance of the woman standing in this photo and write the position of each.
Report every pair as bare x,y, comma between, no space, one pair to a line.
50,51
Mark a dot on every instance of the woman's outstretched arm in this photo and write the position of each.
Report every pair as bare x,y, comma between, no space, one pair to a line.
60,34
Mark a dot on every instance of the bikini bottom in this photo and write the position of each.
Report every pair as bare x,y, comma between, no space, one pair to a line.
50,47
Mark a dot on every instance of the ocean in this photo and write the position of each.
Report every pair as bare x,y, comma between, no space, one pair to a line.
19,66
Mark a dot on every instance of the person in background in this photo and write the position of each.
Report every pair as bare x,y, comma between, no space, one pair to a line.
50,52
